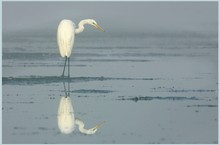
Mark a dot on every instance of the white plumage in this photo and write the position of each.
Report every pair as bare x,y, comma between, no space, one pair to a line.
66,118
67,121
66,34
65,37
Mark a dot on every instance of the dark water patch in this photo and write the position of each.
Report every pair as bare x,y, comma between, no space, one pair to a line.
42,117
114,60
29,56
146,54
90,54
19,128
154,46
149,98
200,90
192,78
207,73
44,56
81,113
90,95
52,97
26,133
85,96
21,102
10,95
45,128
92,91
163,89
24,102
31,80
39,65
206,105
57,79
19,48
35,133
113,47
7,108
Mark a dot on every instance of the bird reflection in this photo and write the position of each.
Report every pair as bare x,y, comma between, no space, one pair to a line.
66,119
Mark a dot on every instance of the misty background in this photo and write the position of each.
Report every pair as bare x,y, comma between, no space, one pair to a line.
156,64
114,17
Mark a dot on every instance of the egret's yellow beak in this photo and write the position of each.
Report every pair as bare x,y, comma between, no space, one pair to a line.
100,28
100,125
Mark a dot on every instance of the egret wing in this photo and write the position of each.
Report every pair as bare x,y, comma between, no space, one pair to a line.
65,37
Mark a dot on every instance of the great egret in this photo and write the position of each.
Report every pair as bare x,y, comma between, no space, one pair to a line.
66,118
65,37
67,121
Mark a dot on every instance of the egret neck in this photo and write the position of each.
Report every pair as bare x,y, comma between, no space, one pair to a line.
81,26
81,126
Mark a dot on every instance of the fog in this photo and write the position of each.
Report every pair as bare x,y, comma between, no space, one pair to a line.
113,16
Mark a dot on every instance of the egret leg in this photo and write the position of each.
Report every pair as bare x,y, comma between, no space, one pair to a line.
69,67
65,89
64,66
68,76
68,87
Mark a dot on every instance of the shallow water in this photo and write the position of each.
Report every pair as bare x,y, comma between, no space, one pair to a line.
148,89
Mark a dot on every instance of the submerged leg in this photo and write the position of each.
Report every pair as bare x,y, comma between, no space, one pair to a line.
64,66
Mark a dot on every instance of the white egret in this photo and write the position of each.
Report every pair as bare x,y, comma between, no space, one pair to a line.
66,34
66,118
67,121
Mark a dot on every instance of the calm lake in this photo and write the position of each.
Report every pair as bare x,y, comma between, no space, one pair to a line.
148,88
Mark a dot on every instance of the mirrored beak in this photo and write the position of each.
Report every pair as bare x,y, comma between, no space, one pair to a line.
100,125
100,28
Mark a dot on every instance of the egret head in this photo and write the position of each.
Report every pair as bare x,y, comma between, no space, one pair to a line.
94,129
94,23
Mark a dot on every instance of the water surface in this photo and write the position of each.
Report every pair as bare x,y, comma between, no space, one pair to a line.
148,88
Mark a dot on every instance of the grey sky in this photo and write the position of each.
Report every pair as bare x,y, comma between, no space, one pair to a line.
113,16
